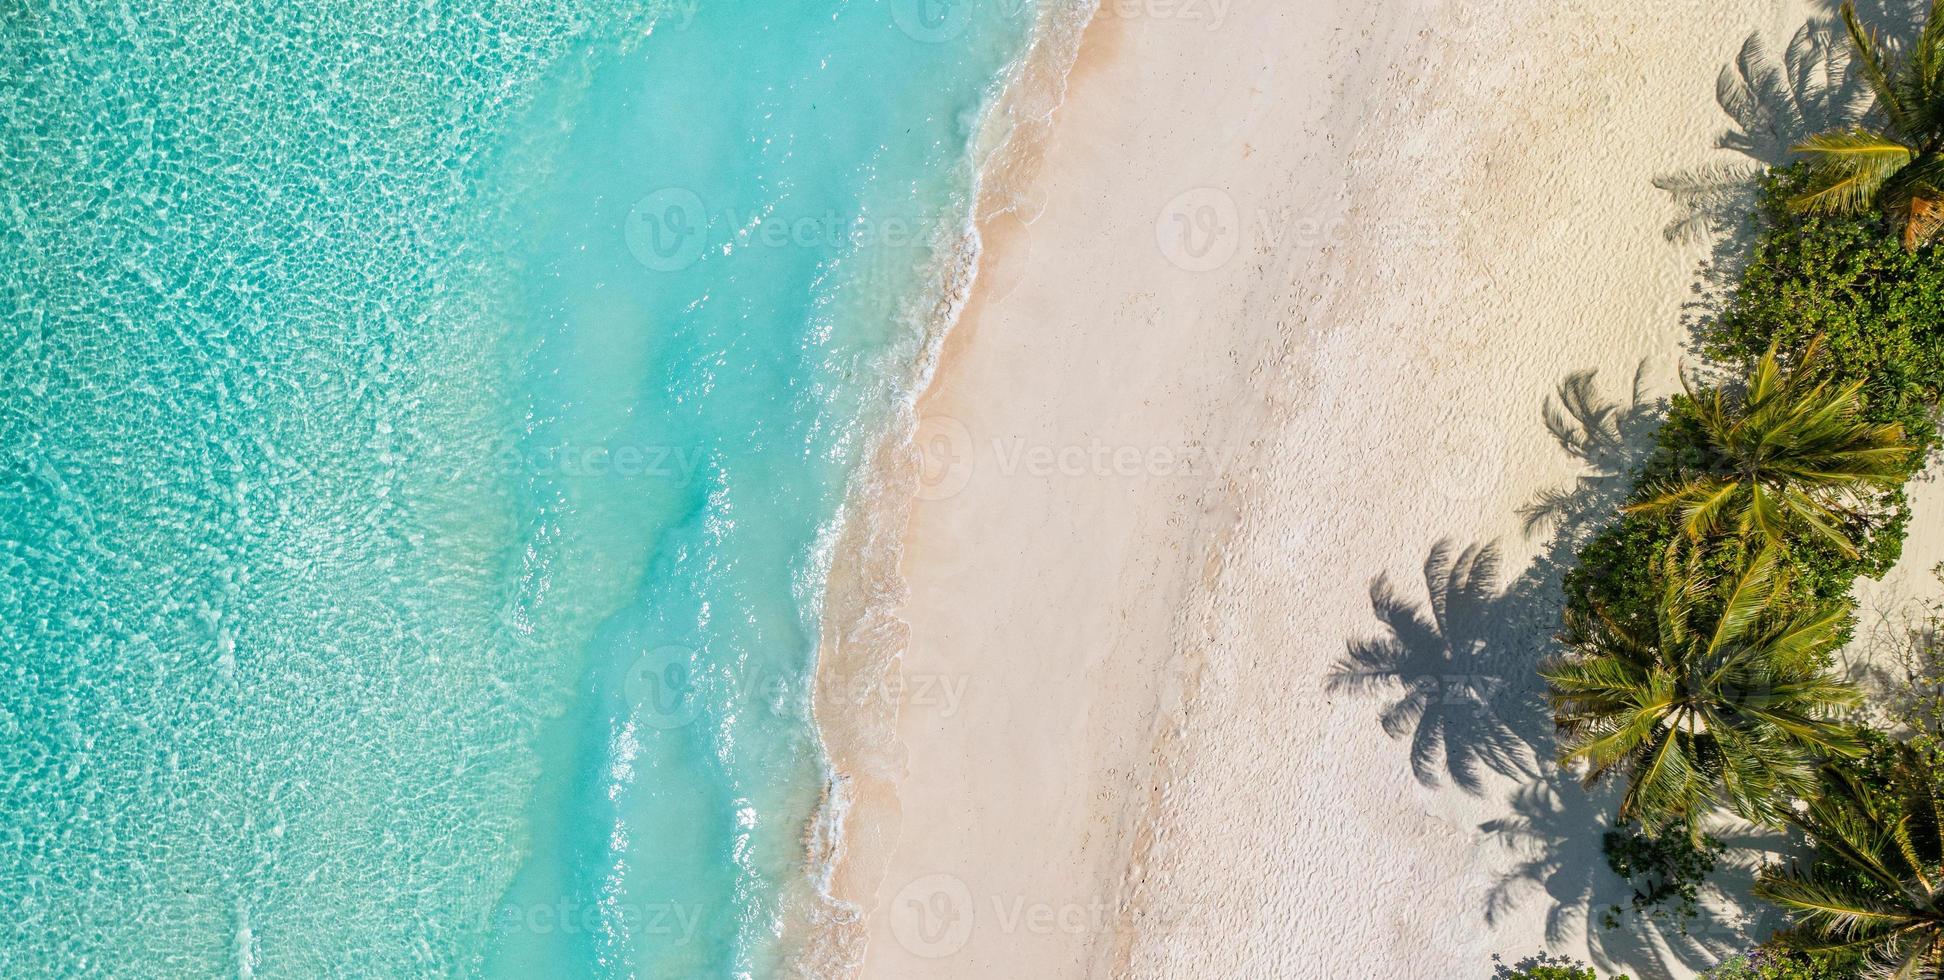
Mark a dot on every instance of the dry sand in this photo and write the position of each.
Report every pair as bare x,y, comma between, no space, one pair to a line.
1252,406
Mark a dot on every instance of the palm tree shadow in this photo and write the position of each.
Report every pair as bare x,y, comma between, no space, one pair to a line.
1772,104
1461,665
1556,830
1609,438
1555,826
1891,17
1444,659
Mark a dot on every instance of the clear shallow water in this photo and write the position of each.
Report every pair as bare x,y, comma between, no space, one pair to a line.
423,431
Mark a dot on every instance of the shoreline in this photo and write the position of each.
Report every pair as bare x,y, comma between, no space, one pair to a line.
1420,268
1150,696
863,636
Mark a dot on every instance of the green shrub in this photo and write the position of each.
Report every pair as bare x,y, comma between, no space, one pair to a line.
1666,872
1880,309
1545,967
1767,964
1880,306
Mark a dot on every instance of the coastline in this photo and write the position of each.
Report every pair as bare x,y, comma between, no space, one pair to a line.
1144,652
857,684
1020,802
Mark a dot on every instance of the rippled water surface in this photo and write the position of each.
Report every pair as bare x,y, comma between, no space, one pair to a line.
423,429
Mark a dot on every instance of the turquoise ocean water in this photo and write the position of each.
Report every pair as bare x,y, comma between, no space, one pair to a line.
424,430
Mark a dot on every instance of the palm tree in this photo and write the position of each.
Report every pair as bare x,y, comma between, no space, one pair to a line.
1737,712
1899,167
1791,450
1877,889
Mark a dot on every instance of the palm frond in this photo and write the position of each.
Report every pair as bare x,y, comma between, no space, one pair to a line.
1816,518
1927,57
1745,600
1703,512
1829,908
1876,67
1808,636
1850,167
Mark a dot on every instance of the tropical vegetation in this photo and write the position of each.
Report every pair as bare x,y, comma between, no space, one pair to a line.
1770,963
1545,967
1789,452
1698,655
1666,871
1896,167
1719,698
1760,964
1874,894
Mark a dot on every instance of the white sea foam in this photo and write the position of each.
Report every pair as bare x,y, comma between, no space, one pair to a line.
863,635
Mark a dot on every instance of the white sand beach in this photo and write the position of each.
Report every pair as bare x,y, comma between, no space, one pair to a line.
1279,340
